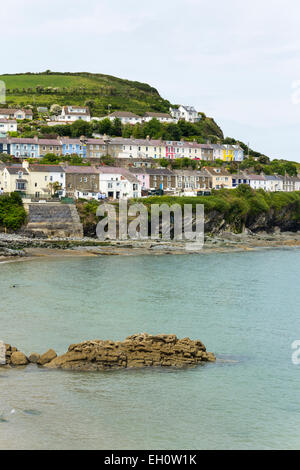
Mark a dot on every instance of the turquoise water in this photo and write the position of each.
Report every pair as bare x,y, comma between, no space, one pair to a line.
245,307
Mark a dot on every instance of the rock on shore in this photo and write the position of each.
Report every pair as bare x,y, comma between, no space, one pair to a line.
137,351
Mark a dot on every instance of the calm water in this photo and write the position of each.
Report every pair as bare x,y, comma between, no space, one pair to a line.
245,307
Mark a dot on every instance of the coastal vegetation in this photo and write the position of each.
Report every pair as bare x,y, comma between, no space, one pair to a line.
12,212
226,209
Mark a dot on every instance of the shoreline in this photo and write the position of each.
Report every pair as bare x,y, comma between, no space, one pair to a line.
15,248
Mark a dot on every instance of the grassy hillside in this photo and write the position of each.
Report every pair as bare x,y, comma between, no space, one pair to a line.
96,90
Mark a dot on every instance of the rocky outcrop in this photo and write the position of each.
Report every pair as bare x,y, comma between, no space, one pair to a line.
136,351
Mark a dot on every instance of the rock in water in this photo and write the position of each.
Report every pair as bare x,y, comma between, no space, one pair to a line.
2,353
34,358
47,357
18,359
137,351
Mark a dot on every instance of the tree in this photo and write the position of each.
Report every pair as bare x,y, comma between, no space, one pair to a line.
105,126
54,187
56,109
80,127
152,128
116,128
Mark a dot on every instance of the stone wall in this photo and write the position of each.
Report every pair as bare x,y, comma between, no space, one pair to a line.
54,220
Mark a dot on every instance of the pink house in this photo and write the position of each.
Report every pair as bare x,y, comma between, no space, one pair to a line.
142,176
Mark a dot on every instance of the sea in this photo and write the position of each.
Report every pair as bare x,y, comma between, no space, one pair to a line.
245,307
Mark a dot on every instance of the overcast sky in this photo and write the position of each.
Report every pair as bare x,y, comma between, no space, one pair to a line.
237,61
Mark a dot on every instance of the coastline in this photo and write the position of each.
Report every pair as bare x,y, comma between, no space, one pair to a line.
15,248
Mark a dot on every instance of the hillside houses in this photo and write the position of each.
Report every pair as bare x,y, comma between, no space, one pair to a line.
186,113
98,182
42,181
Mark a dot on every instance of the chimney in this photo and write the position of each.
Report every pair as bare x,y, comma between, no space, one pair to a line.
25,164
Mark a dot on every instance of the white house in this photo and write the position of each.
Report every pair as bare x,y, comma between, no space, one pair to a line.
74,113
13,113
188,113
162,117
118,183
126,117
8,126
266,182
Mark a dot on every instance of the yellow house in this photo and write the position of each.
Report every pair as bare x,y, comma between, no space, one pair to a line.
228,155
43,179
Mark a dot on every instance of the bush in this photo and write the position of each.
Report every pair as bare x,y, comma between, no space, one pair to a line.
12,213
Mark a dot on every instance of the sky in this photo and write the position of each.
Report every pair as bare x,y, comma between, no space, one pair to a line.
236,61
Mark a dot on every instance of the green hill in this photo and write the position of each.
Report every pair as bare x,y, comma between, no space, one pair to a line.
100,92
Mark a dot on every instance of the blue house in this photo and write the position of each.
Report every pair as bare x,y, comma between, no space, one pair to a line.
73,146
240,179
238,153
4,146
24,148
